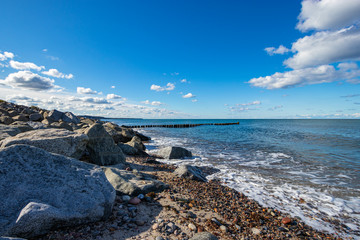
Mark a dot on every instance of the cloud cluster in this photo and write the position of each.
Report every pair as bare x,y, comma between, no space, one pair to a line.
153,103
28,80
168,87
328,14
307,76
82,90
6,55
249,103
336,40
55,73
25,66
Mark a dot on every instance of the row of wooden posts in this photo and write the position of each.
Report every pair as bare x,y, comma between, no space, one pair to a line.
181,125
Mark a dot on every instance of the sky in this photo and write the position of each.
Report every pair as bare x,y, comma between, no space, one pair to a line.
229,59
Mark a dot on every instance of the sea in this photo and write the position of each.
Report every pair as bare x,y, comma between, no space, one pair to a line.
309,169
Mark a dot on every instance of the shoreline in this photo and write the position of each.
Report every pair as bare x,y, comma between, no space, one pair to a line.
191,207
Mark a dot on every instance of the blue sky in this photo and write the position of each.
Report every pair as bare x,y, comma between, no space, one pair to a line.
183,59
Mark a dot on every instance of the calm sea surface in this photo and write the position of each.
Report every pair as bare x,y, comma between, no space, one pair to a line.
307,168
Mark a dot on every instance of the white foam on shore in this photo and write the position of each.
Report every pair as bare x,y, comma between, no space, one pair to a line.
285,197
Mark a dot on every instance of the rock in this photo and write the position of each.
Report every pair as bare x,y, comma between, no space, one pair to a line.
256,231
6,120
204,236
36,117
127,149
22,126
142,137
71,118
13,113
102,148
11,238
132,183
62,125
155,226
47,121
286,220
21,117
223,228
137,144
126,198
192,227
8,131
135,201
174,153
140,222
55,115
36,125
190,172
42,191
159,238
58,141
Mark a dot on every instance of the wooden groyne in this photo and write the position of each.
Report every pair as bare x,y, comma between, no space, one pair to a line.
181,125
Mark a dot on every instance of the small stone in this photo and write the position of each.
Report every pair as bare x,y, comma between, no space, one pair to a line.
256,231
126,198
159,238
223,228
216,221
131,209
192,227
286,220
140,223
141,196
155,226
134,201
191,215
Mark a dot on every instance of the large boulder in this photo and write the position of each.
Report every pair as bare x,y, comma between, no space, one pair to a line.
36,117
132,183
58,141
174,153
71,118
127,149
6,120
137,144
40,191
102,148
55,115
190,172
8,131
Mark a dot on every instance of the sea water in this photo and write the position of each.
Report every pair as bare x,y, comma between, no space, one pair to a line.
307,168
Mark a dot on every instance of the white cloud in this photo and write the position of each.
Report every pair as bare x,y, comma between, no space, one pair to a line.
249,103
6,55
328,14
168,87
25,65
112,86
194,100
28,80
306,76
189,95
325,47
82,90
153,103
280,50
55,73
113,96
183,80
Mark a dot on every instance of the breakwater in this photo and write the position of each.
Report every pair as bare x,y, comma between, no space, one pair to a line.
181,125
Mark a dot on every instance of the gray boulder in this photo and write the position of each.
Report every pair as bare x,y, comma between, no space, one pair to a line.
55,115
58,141
127,149
22,126
6,120
132,183
40,191
36,117
190,172
8,131
204,236
70,117
102,148
174,153
62,125
137,144
21,117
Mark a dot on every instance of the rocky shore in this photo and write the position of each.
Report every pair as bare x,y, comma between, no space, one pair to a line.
69,177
